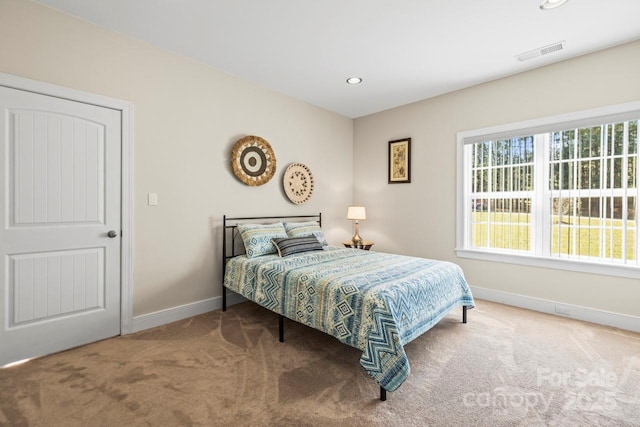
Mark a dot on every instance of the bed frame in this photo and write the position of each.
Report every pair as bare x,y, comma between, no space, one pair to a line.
230,238
231,235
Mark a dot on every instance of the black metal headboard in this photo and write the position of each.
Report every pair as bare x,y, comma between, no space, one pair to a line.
230,236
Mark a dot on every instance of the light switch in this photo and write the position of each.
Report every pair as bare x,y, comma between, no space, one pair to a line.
153,199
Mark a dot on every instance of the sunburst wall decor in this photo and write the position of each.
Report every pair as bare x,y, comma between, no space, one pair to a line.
253,160
298,183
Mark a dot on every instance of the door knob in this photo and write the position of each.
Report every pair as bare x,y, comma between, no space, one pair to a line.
112,233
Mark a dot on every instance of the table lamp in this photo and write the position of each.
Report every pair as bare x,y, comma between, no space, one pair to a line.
356,213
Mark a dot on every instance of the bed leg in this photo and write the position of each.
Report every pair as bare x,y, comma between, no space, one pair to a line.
383,394
224,299
464,314
281,328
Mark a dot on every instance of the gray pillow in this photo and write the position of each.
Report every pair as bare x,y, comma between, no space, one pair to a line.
296,245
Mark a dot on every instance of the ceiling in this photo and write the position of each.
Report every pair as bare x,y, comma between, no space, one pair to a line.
404,50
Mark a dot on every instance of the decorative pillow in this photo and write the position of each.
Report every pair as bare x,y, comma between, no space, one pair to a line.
304,229
257,238
296,245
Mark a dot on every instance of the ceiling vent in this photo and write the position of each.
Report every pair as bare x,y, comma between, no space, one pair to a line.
541,51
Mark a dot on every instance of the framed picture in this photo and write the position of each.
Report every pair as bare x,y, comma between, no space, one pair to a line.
400,161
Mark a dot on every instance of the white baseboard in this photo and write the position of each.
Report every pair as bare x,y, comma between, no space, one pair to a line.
622,321
173,314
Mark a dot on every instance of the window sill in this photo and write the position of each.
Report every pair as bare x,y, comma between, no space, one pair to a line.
626,271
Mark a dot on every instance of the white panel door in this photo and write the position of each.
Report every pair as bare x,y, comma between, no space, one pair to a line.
59,200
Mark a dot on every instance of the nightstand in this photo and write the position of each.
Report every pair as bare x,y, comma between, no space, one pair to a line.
366,245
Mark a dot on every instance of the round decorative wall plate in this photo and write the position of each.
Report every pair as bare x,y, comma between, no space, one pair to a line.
253,160
298,183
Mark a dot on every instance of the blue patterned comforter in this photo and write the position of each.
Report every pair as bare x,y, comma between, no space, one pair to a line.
373,301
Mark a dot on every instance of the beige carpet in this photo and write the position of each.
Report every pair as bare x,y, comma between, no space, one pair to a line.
506,367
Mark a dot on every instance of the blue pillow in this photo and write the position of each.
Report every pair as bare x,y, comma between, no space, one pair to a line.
305,229
296,245
258,238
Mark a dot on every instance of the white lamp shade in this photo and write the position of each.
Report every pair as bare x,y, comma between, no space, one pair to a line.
356,212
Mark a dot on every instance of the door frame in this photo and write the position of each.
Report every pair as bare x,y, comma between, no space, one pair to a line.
126,111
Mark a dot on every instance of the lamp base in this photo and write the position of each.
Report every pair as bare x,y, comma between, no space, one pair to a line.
356,240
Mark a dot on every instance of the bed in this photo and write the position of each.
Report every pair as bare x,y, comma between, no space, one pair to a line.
373,301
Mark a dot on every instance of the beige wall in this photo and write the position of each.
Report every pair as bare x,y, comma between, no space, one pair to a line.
419,218
187,117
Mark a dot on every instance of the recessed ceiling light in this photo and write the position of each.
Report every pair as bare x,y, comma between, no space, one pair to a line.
552,4
354,80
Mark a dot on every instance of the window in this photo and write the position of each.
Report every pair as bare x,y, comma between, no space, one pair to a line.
560,192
